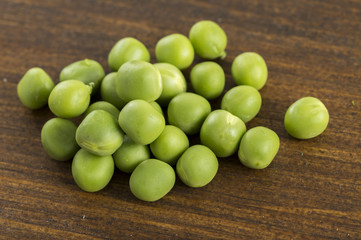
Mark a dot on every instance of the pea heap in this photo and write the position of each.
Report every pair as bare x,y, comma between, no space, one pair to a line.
127,128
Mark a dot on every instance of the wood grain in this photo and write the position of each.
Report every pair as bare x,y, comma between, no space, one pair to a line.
312,190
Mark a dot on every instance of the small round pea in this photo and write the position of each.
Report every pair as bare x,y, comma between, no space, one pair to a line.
58,139
34,88
88,71
175,49
125,50
306,118
99,133
243,101
69,99
151,180
258,147
141,121
208,39
171,143
249,68
197,166
91,172
173,82
208,79
130,154
102,105
188,112
138,80
108,91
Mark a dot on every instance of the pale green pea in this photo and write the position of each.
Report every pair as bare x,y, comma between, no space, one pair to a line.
102,105
108,91
157,107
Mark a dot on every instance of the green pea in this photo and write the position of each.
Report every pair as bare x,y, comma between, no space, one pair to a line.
306,118
130,154
173,82
58,139
34,88
157,107
125,50
108,90
91,172
243,101
88,71
141,121
175,49
221,132
258,147
102,105
69,99
151,180
208,39
188,111
171,143
249,68
138,80
208,79
197,166
99,133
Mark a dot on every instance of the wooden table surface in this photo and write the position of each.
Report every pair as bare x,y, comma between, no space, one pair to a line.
312,189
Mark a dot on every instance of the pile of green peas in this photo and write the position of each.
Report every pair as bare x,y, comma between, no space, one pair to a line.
139,117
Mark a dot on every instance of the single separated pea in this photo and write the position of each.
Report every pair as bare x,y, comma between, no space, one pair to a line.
69,99
170,145
243,101
91,172
306,118
108,91
34,88
188,112
88,71
249,68
58,139
175,49
258,147
103,105
197,166
151,180
173,82
208,79
125,50
138,80
208,39
99,133
130,154
141,121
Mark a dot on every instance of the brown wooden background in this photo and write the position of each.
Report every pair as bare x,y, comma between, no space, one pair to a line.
312,190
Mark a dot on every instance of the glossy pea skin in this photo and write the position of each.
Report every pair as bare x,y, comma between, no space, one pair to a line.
170,145
258,147
69,99
88,71
222,132
99,133
138,80
249,68
243,101
125,50
91,172
208,79
175,49
58,139
130,154
173,82
306,118
34,88
208,39
141,121
188,112
197,166
108,91
103,105
151,180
